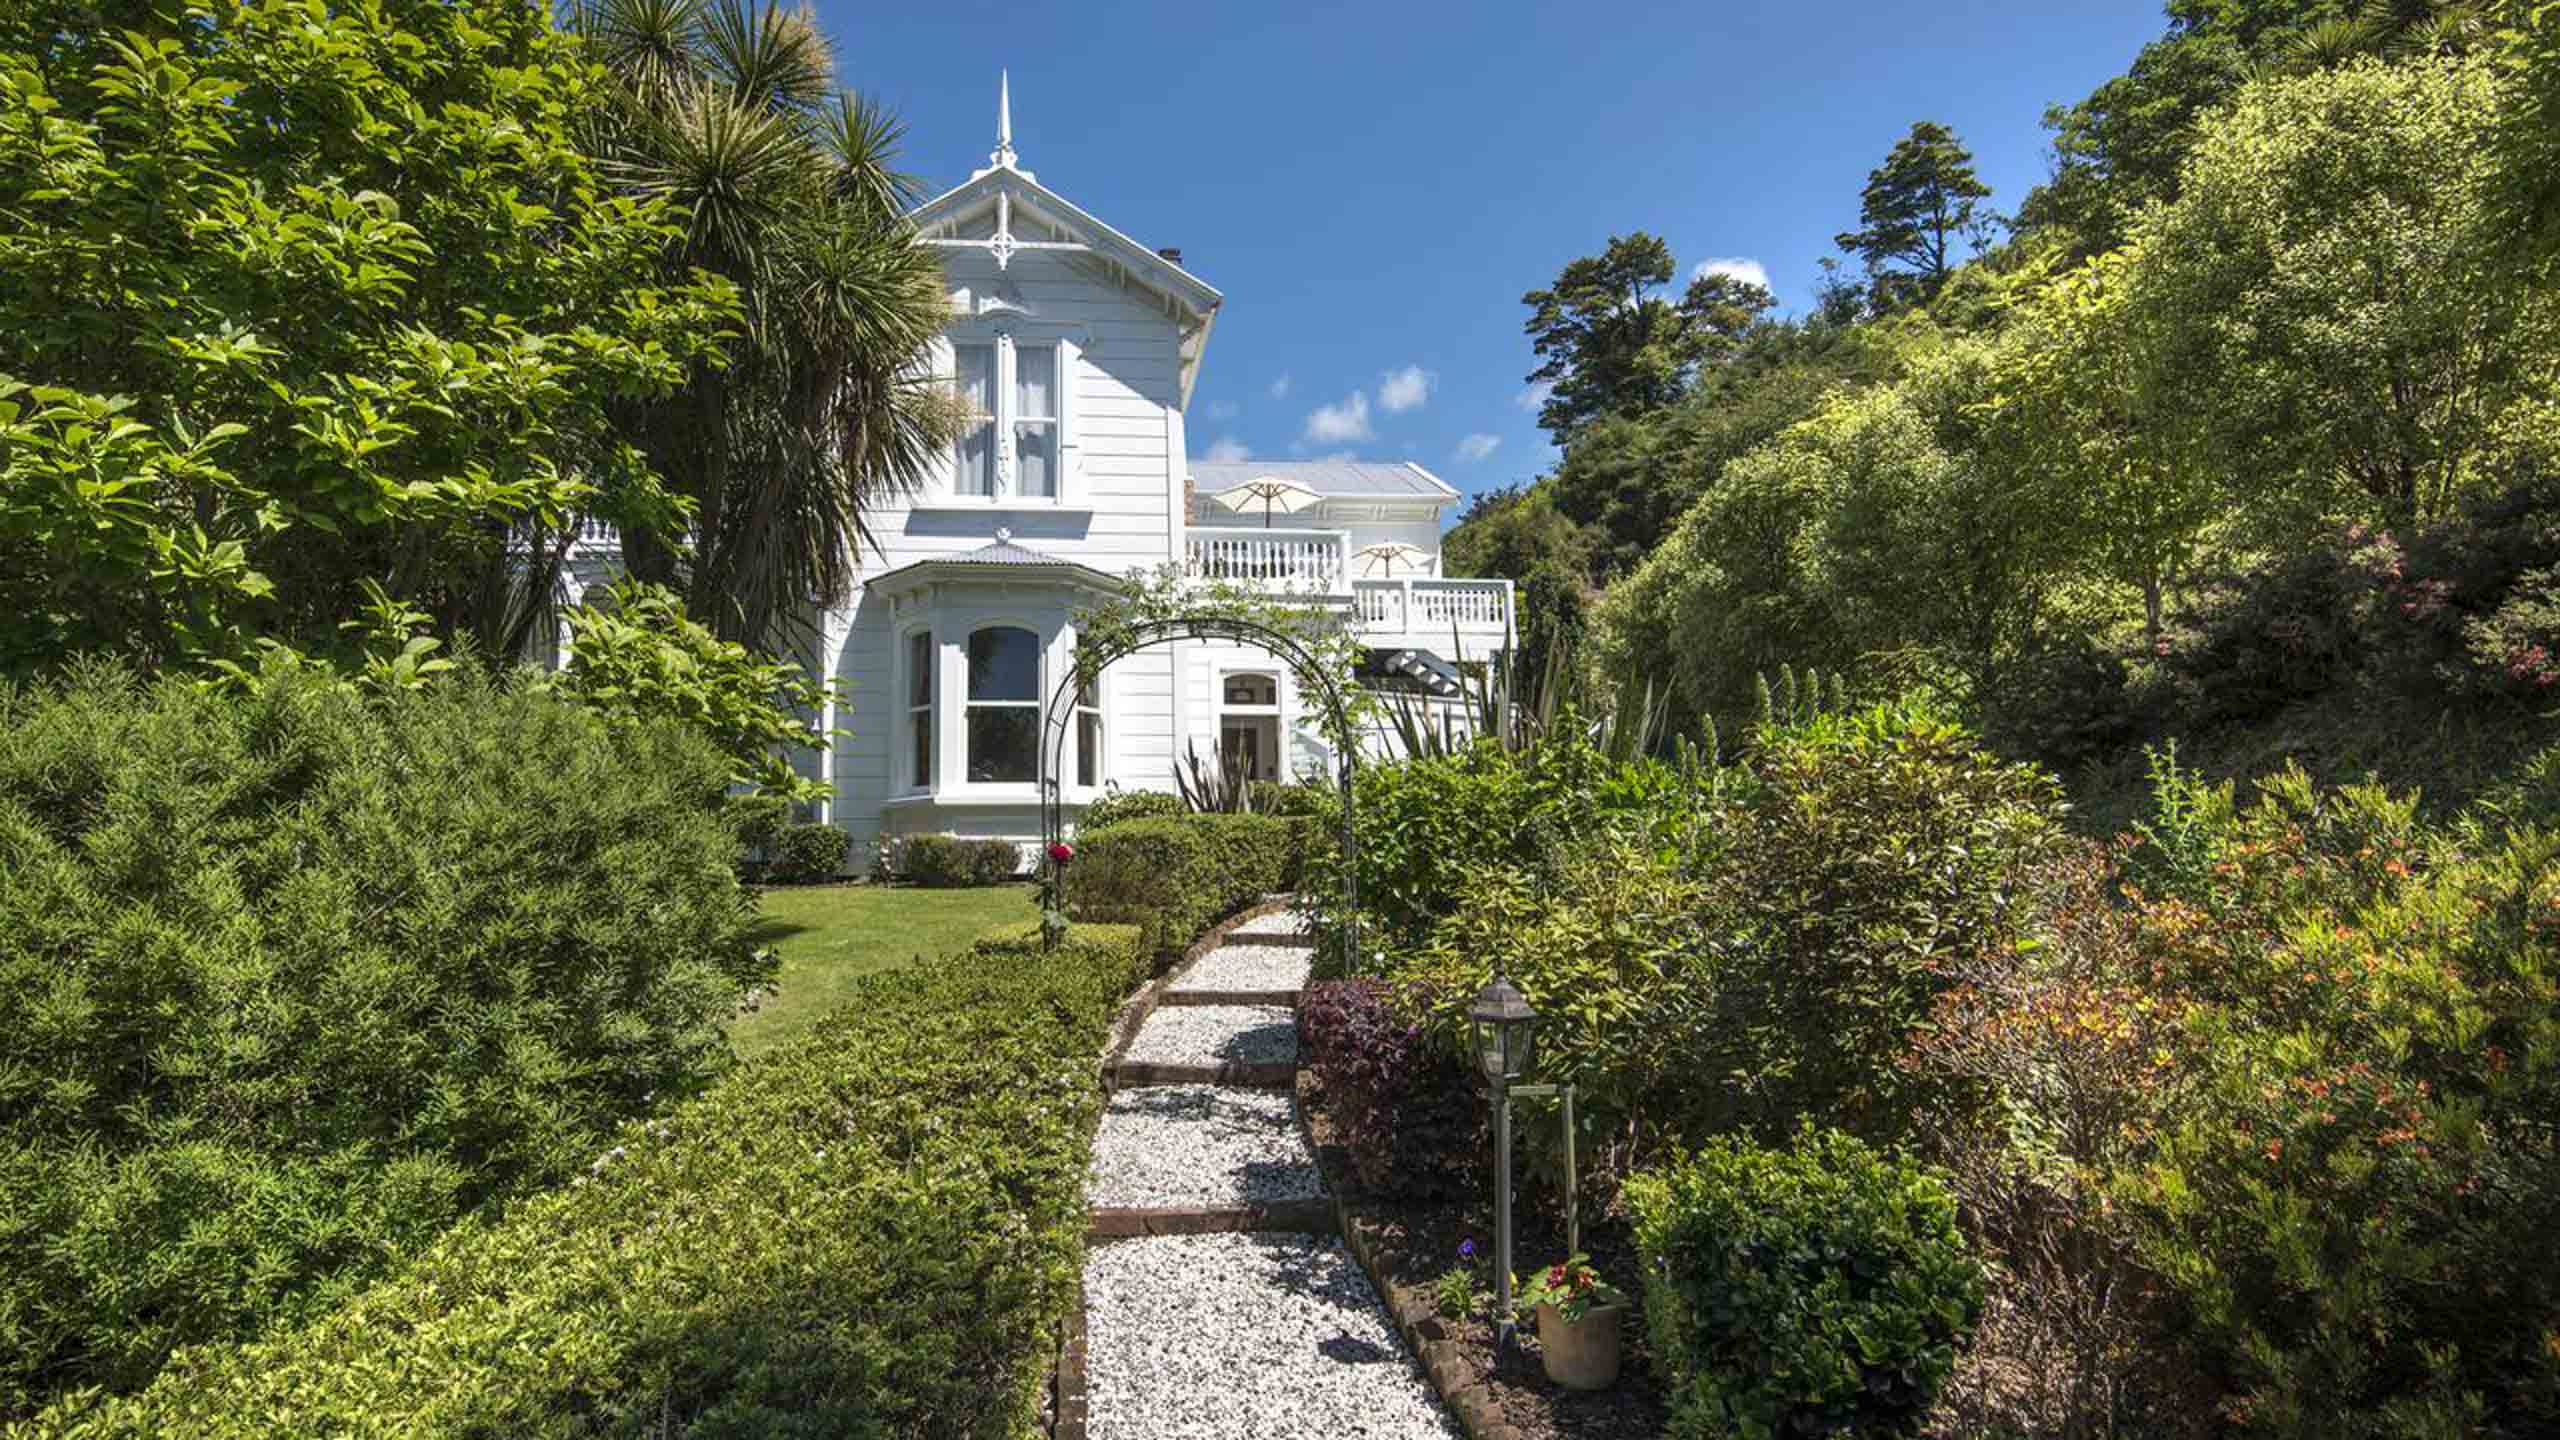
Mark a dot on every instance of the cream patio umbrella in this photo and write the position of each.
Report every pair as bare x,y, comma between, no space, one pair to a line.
1384,560
1273,494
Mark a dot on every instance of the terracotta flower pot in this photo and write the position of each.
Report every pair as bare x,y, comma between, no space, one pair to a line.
1581,1354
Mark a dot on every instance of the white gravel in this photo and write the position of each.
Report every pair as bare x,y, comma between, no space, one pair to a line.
1245,1337
1215,1034
1283,925
1249,967
1175,1145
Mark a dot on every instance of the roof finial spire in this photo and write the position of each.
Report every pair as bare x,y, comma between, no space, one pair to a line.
1003,155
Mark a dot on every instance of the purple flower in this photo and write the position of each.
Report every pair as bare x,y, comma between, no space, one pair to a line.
1466,1249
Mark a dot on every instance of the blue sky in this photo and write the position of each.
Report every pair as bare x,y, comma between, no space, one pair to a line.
1373,186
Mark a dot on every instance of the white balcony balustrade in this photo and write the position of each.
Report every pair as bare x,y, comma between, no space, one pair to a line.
1474,613
1303,558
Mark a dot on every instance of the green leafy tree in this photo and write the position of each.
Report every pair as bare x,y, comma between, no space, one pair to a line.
1918,207
2328,301
1518,535
729,113
2528,135
1610,344
294,301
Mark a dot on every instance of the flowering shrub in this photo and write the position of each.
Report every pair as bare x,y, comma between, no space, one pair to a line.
1818,1290
1571,1286
1405,1108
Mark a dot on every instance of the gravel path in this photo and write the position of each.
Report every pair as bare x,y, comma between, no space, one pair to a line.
1214,1034
1164,1146
1249,967
1285,924
1255,1337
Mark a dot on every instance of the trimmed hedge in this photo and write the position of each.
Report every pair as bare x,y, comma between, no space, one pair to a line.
1179,875
944,862
1813,1291
875,1231
1119,806
291,981
809,852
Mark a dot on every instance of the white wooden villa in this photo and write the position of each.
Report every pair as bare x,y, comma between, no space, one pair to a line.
1077,348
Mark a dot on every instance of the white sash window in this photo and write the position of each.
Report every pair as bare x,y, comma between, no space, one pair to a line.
1017,442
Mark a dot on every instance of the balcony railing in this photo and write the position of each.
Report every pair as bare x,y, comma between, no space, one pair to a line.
1304,557
1426,610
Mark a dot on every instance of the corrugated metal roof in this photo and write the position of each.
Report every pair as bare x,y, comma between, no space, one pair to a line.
1348,479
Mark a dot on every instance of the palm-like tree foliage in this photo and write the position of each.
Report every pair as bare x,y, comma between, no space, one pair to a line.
787,187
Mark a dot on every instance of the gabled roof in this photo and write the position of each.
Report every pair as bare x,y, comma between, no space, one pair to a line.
1022,204
1333,479
1002,560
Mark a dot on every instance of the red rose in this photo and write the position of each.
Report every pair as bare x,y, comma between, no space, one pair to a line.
1062,852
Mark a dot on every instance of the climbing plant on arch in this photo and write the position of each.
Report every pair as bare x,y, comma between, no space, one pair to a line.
1164,608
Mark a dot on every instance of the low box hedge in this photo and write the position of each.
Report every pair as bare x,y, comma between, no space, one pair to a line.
942,862
875,1231
1177,875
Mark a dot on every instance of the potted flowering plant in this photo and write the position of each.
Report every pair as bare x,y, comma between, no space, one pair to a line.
1578,1315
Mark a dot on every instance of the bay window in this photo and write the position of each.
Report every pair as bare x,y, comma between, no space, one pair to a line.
1004,706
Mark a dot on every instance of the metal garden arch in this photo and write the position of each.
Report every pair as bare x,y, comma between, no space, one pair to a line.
1059,719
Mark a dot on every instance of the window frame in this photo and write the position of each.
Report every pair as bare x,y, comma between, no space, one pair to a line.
923,719
1087,703
970,705
1003,423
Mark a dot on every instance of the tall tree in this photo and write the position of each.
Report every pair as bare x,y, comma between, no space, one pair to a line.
1612,344
788,188
300,301
1918,206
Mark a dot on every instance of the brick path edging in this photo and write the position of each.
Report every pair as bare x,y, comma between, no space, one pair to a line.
1415,1314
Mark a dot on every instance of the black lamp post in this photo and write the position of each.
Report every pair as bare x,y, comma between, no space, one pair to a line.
1505,1029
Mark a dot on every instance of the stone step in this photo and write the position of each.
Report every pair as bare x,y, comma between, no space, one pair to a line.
1199,1151
1255,1045
1256,1337
1244,969
1284,927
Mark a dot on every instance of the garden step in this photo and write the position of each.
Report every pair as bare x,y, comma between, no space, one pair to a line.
1286,927
1212,1045
1179,1149
1273,1337
1269,974
1129,1222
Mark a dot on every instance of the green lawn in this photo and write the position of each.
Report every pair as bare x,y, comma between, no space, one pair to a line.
833,935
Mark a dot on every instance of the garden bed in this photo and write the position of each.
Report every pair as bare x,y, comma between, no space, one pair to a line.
1407,1245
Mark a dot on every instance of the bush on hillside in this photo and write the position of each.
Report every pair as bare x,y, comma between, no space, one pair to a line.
809,852
1868,853
875,1231
292,980
1177,876
1818,1290
1407,1111
1115,806
941,862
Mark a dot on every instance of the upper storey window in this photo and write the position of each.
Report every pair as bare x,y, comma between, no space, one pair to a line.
1012,441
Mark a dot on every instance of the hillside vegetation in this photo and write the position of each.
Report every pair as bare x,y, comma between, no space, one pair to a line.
2237,435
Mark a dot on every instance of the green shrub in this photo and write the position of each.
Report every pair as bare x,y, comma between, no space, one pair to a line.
1815,1291
808,852
290,981
1178,875
945,861
1866,853
1118,805
1271,797
875,1231
759,817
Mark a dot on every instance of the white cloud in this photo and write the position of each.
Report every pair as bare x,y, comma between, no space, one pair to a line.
1405,389
1229,448
1740,267
1534,399
1222,409
1334,424
1280,387
1476,447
